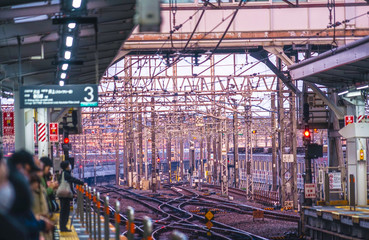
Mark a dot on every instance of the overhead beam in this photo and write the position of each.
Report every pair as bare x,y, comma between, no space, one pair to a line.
262,56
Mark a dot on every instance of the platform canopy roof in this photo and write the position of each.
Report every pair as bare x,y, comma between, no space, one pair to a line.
339,68
26,27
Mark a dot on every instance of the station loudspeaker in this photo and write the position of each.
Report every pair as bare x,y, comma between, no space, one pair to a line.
148,15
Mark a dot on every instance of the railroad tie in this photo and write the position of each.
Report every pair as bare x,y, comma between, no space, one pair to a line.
278,238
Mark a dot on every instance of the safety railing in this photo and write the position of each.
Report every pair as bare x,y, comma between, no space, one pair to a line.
91,208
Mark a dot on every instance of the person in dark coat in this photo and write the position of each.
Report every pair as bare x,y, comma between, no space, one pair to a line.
21,166
65,202
9,228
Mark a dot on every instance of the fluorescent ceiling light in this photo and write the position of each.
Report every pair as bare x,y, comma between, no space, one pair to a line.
71,25
67,54
362,87
61,83
30,19
65,66
341,93
76,3
63,75
69,41
353,94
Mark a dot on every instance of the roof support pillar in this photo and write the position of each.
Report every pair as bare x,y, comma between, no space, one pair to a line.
24,126
356,135
43,141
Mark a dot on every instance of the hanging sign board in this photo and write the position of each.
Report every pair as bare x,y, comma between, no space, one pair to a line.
310,190
54,132
59,96
8,123
334,180
287,158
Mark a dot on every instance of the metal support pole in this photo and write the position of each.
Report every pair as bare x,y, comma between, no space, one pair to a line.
293,167
181,150
82,210
274,145
192,160
169,156
89,212
201,162
94,213
117,219
130,223
208,149
86,210
140,146
223,158
215,159
78,210
147,227
106,218
153,147
98,205
117,162
281,140
235,150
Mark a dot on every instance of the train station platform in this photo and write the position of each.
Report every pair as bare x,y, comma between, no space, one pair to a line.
336,222
78,230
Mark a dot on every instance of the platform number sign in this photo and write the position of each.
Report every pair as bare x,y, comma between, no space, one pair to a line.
349,119
310,190
52,96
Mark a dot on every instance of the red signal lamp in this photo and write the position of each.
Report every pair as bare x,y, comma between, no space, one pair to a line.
158,160
307,132
66,140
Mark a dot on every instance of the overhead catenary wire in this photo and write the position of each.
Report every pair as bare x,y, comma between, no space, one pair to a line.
329,26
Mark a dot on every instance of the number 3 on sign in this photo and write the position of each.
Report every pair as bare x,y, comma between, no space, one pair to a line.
90,93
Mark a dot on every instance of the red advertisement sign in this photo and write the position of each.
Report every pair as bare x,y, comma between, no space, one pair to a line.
54,132
349,119
8,123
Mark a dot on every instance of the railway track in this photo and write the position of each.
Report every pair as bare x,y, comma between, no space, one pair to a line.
247,208
172,215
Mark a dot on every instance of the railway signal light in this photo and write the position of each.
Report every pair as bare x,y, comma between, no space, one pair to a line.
307,134
66,140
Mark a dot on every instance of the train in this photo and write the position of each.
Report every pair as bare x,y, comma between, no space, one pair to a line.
262,168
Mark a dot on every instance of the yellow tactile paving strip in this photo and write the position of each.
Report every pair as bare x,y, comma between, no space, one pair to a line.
73,235
67,235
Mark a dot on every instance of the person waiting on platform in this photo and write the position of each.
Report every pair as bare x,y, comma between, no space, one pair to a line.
65,196
49,185
9,228
21,167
